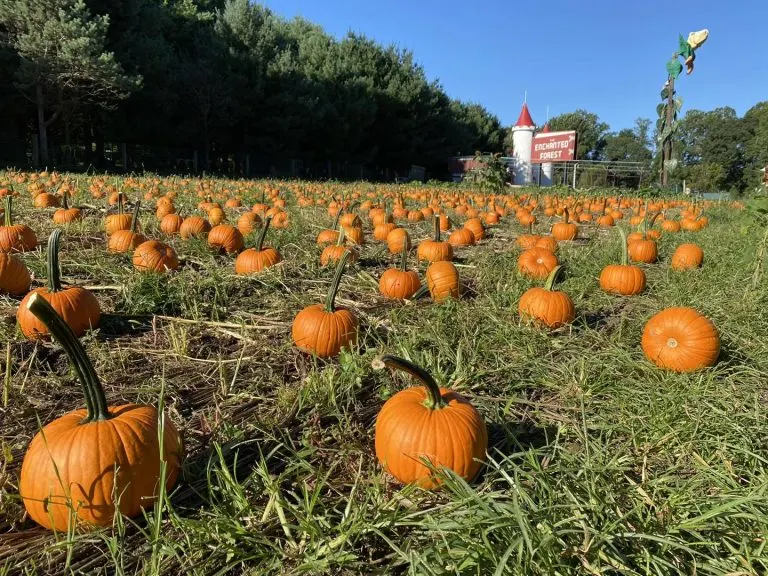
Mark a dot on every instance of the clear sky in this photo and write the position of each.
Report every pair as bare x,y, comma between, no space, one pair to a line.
605,56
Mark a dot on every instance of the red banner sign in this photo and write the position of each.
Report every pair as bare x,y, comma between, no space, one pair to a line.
553,147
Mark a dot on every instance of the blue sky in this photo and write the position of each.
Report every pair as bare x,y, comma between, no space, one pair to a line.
605,56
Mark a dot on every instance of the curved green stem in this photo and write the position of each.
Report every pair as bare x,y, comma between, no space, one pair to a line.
135,218
336,220
95,400
331,298
8,210
552,278
437,227
65,200
342,236
624,249
434,400
263,233
565,214
119,202
404,255
54,272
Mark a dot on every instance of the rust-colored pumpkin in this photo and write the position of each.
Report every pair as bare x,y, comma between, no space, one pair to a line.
681,340
15,237
443,281
216,216
435,250
644,250
120,221
623,278
545,306
170,225
194,226
687,256
395,240
323,330
400,283
461,237
89,464
248,222
76,305
330,236
565,230
124,241
226,238
155,256
428,423
14,276
254,260
46,200
547,242
537,263
333,253
65,214
477,228
354,234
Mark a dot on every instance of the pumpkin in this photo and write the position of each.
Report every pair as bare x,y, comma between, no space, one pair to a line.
154,256
445,223
226,238
46,200
395,240
400,283
623,278
323,330
124,241
644,250
334,253
329,236
119,221
537,262
671,226
171,224
77,464
687,256
14,276
381,231
354,234
76,305
565,230
435,250
477,228
65,214
605,221
681,340
256,259
194,226
551,308
443,280
547,242
248,222
15,237
427,423
216,216
461,237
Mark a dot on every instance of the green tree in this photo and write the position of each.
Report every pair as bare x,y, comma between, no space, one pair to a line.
756,151
63,62
590,131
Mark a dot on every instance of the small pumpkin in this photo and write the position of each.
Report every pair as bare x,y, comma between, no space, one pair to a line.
551,308
329,236
430,423
461,237
226,238
435,250
323,330
443,281
171,224
537,263
400,283
565,230
395,240
216,216
547,242
79,307
123,241
687,256
333,253
65,214
77,464
477,228
254,260
623,278
194,226
15,237
119,221
681,340
248,222
155,256
14,276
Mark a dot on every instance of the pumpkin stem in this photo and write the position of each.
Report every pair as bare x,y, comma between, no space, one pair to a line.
342,236
54,272
404,255
119,202
337,218
552,278
644,223
331,298
530,228
437,227
263,233
434,400
624,250
8,207
95,400
65,201
565,214
135,218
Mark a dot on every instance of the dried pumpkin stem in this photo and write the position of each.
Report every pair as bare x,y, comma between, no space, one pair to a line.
565,214
341,237
552,278
434,400
135,217
263,234
331,298
624,249
95,400
119,202
437,227
336,220
8,210
65,200
404,255
54,272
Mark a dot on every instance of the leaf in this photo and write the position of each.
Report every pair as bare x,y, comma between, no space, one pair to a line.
674,68
678,104
661,110
665,93
684,48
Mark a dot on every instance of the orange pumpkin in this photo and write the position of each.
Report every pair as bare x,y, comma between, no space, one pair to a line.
462,237
565,230
435,250
477,228
623,278
194,226
154,256
428,423
443,281
248,222
65,214
254,260
124,241
395,240
15,237
681,340
89,464
226,238
76,305
687,256
400,283
119,221
323,330
536,263
551,308
14,276
170,225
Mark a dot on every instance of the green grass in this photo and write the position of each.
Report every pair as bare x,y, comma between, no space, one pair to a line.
599,463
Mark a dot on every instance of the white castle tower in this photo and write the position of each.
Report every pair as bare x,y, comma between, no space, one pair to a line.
546,169
522,140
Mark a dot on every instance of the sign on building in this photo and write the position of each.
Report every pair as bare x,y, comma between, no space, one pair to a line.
553,147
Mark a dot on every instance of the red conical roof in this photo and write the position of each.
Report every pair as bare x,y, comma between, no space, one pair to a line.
545,129
525,117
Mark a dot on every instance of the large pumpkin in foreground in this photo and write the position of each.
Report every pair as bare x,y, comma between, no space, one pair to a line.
681,340
78,466
428,423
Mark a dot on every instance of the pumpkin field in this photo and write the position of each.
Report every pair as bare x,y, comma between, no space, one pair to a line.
211,376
